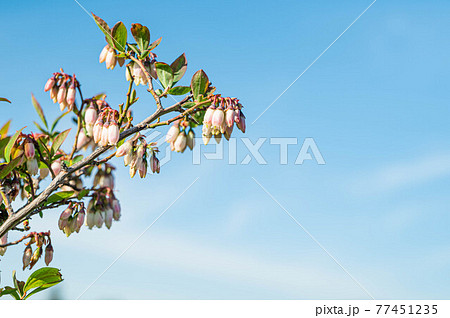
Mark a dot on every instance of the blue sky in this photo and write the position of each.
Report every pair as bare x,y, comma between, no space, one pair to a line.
375,103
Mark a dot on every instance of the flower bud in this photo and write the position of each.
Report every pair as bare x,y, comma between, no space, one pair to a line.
139,76
113,133
56,167
127,159
83,140
90,220
124,149
3,241
98,128
154,164
143,169
80,219
229,117
54,94
49,85
228,132
48,254
241,123
32,166
43,173
180,142
66,213
103,54
132,171
108,218
29,149
191,139
172,134
217,121
111,59
104,138
27,253
35,257
62,92
208,115
71,93
98,219
116,209
90,116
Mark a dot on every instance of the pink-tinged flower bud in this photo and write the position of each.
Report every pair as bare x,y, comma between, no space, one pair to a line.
241,123
90,220
62,223
191,139
80,219
62,92
29,149
229,117
103,54
66,213
54,94
49,85
172,134
143,169
56,167
180,142
111,59
43,173
154,164
116,209
27,253
124,149
104,139
63,105
48,254
3,241
208,115
139,76
113,133
71,93
83,140
32,166
217,120
98,219
98,129
90,116
108,218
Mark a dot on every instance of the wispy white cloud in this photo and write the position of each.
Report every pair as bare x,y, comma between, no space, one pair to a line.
401,174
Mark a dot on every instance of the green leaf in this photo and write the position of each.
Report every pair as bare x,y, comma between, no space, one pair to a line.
141,34
82,194
5,169
59,140
105,29
10,145
18,284
154,44
134,48
9,291
165,74
2,99
58,196
5,128
41,279
179,67
199,84
39,110
119,33
179,90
